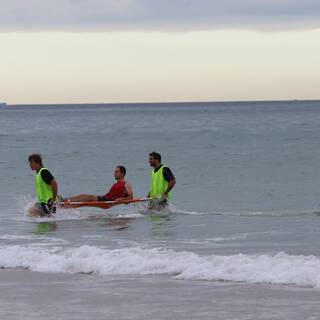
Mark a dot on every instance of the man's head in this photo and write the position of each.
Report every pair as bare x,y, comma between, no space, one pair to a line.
119,172
154,159
35,162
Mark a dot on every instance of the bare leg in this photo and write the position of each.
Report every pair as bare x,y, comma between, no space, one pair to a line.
82,197
34,211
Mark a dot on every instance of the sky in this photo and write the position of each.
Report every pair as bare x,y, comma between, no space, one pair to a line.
94,51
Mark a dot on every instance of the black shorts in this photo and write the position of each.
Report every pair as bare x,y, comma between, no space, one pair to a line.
46,209
158,204
103,198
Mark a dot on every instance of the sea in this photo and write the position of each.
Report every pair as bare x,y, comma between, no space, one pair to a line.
240,239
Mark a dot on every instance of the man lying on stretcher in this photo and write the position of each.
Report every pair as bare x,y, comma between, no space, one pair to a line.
121,190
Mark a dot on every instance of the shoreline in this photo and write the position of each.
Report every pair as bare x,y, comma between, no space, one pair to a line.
33,295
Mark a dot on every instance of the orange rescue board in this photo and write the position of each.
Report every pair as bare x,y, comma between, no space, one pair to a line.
99,204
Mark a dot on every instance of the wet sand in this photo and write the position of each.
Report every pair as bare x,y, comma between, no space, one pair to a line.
32,295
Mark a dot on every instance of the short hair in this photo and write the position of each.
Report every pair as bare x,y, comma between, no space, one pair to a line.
35,158
122,170
155,155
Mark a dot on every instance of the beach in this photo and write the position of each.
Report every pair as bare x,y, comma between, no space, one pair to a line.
239,240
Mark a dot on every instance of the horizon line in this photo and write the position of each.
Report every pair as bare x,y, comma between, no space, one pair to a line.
166,102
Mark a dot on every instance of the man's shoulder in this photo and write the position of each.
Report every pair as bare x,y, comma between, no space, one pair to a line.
46,175
45,171
166,169
167,174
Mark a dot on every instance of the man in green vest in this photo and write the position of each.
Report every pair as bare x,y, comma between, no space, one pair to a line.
163,180
46,188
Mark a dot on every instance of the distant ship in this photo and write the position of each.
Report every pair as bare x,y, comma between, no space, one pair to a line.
2,104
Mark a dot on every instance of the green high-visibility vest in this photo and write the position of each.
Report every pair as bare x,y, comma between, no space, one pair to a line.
44,191
159,185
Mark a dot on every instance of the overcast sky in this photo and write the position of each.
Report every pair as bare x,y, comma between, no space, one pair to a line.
88,51
84,15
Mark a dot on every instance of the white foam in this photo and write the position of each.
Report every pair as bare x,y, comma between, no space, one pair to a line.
26,202
129,215
227,238
137,211
275,269
247,235
278,213
16,237
62,215
46,239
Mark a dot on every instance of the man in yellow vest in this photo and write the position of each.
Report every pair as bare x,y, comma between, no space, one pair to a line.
163,180
46,188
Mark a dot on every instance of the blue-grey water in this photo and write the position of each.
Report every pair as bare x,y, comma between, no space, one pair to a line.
245,208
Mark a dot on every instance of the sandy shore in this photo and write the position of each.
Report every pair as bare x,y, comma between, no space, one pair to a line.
31,295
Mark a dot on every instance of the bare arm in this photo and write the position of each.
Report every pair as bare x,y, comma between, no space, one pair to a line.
171,184
54,186
129,191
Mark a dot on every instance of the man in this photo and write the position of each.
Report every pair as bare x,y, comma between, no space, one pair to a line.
46,188
121,190
163,180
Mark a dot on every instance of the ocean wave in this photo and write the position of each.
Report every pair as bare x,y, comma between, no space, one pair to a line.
17,237
280,268
131,211
141,210
274,213
41,240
